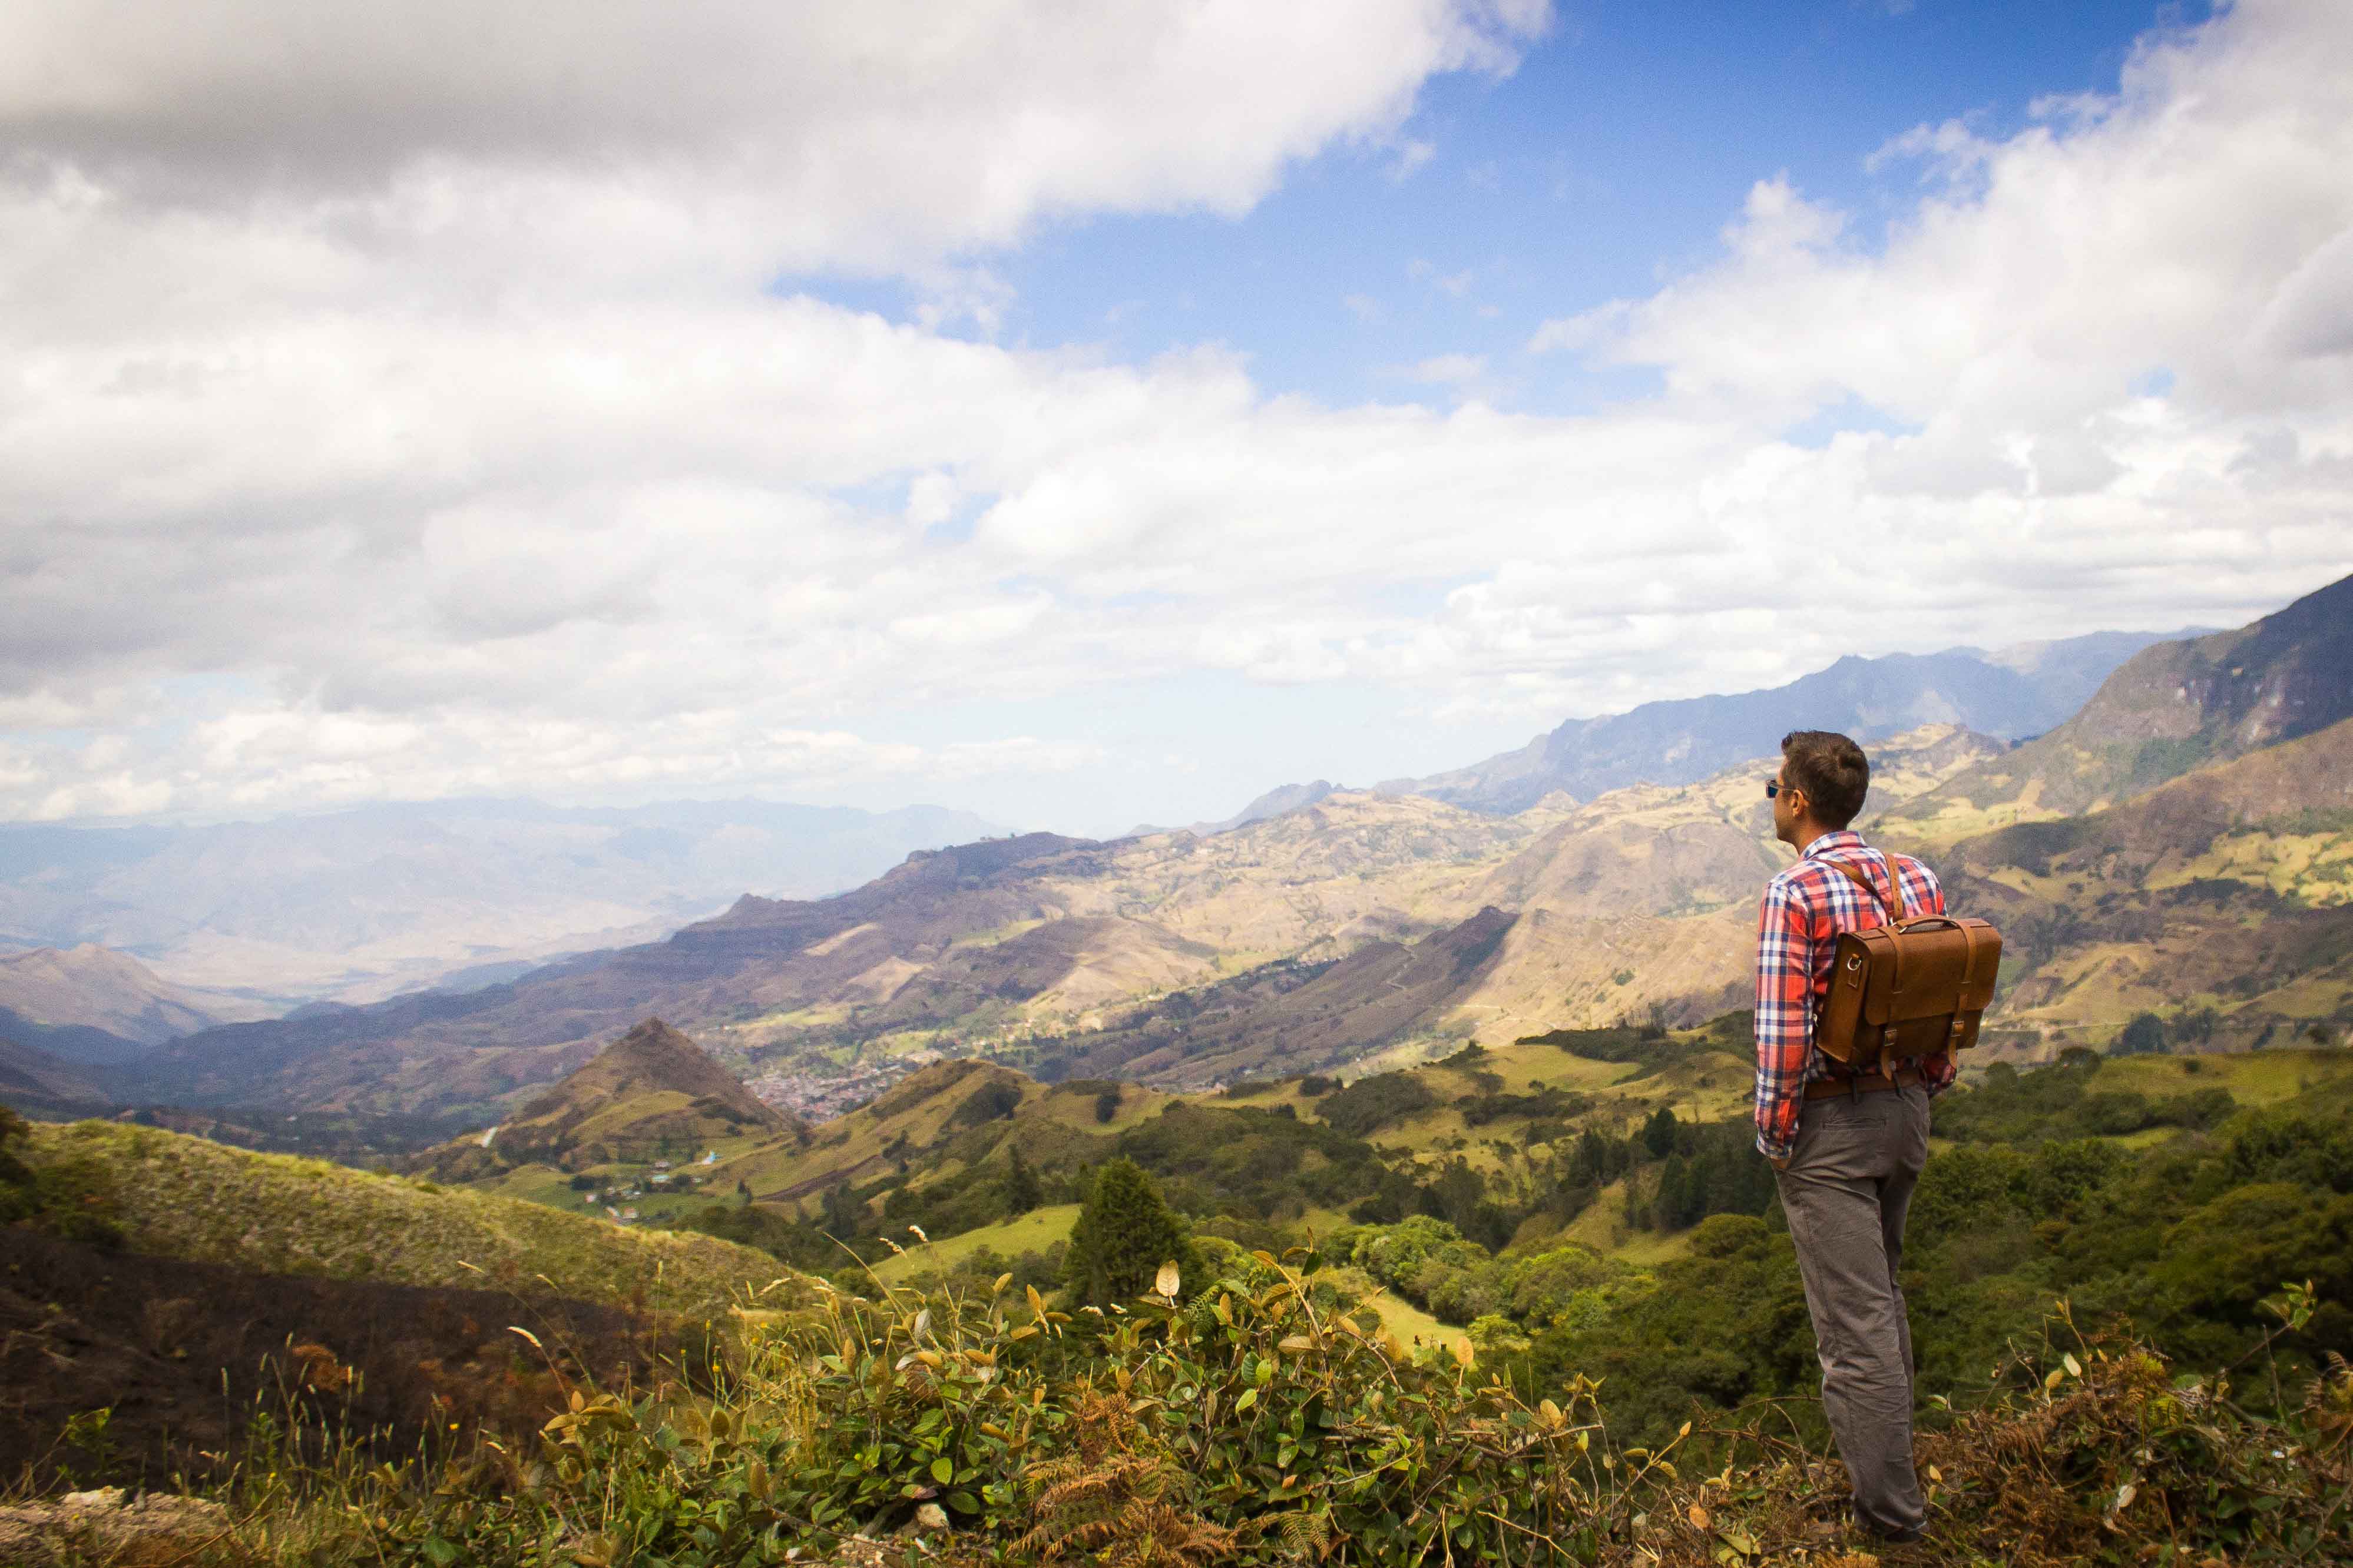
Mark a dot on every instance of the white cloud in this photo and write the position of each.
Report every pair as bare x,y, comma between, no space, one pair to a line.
1449,370
735,131
351,447
1454,285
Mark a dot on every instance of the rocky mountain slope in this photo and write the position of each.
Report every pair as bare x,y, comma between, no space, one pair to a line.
2007,693
2170,708
2222,900
354,906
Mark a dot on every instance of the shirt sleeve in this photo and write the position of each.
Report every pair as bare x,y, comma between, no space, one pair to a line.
1784,1016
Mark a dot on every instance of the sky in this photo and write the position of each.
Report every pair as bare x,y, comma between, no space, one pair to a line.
1091,416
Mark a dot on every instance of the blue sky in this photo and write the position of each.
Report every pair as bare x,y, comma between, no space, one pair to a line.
1609,160
1087,416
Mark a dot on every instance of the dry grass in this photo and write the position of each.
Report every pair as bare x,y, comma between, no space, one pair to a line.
185,1197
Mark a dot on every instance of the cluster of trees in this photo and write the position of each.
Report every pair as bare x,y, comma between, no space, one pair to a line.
2067,1099
1707,1169
2147,1032
1369,1104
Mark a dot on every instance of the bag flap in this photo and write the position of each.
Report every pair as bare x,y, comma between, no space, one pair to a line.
1943,966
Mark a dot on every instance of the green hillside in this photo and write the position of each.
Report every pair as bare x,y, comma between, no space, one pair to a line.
1032,1232
185,1197
651,1095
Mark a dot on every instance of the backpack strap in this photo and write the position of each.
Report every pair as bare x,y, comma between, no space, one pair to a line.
1891,904
1895,911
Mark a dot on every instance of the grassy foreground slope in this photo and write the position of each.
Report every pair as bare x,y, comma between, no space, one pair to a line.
1251,1424
183,1197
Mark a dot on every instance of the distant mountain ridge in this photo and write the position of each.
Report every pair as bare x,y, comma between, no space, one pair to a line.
2008,694
443,1051
92,1006
358,905
40,1083
1273,803
1041,935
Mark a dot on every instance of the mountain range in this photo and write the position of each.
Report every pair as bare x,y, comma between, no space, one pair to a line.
2008,693
2177,847
1357,926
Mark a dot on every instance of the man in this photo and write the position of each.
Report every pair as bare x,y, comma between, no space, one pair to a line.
1847,1151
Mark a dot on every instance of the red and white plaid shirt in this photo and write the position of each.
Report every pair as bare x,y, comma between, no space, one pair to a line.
1805,908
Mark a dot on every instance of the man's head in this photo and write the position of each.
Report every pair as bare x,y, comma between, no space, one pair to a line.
1823,779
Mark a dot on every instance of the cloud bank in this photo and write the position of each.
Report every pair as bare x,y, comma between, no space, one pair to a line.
424,406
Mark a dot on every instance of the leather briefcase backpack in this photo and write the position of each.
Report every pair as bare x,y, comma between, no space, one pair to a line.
1911,987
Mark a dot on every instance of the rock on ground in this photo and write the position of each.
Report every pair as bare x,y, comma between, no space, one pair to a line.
102,1524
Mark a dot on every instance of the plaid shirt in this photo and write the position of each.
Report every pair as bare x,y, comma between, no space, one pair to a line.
1805,908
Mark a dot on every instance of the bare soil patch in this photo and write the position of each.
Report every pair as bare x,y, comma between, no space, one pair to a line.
183,1354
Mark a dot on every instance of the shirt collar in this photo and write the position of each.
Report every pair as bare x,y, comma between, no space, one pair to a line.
1844,838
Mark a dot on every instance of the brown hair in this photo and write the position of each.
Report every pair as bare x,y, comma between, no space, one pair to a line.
1832,772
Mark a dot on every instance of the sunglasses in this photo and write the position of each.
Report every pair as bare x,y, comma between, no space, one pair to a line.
1773,790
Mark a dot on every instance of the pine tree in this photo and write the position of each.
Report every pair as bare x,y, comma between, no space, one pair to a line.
1659,1134
1674,1194
1593,1162
1022,1192
1125,1232
844,1215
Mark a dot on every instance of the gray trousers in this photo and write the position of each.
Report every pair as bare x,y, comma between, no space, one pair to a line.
1846,1191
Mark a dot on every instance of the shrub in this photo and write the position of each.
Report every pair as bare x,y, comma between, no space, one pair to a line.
1728,1235
1395,1254
991,1101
